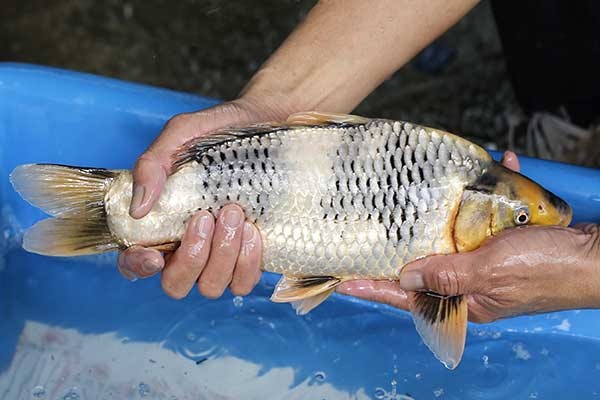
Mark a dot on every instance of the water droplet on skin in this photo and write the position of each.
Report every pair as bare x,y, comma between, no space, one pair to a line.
438,392
38,392
143,389
238,301
320,376
380,393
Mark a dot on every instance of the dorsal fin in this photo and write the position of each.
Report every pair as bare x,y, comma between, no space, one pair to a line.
311,118
195,148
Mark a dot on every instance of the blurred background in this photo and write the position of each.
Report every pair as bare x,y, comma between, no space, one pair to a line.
212,47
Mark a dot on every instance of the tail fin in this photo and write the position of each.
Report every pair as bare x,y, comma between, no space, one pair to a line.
75,197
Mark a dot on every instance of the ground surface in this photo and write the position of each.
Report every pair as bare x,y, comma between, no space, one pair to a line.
212,47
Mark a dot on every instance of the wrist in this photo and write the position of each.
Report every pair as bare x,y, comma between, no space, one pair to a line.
591,251
587,244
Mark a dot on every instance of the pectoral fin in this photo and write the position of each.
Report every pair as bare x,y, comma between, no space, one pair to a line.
304,293
442,323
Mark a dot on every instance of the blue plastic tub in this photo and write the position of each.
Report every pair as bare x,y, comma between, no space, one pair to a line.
74,329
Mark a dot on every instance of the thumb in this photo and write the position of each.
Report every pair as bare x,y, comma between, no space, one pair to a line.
448,275
149,177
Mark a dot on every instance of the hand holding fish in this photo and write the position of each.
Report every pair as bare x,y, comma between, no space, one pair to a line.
519,271
213,253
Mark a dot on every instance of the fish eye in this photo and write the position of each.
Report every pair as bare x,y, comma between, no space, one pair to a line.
521,215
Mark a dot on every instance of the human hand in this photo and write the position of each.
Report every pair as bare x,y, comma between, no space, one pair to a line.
213,253
520,271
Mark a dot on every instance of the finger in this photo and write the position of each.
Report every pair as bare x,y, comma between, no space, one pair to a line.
225,248
380,291
154,165
139,262
149,177
449,275
186,264
511,161
247,269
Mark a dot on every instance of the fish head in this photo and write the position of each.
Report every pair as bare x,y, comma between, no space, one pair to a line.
501,199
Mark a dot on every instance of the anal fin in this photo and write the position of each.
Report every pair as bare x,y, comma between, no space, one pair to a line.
304,293
441,321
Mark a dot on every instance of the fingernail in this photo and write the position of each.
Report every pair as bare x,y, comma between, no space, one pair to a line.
248,232
248,239
137,197
411,280
203,227
232,218
127,273
150,266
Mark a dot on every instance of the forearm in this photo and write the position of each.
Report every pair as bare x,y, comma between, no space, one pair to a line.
345,48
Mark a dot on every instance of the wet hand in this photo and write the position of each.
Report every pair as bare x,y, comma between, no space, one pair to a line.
214,253
520,271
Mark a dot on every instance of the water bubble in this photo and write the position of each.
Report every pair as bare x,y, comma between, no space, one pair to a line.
380,393
521,353
191,337
238,301
533,395
395,369
38,392
438,392
418,375
72,394
485,359
320,376
143,389
394,384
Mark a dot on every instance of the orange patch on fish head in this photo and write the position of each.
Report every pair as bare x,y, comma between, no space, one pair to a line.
544,207
501,199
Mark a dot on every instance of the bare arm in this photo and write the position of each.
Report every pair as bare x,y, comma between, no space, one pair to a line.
346,48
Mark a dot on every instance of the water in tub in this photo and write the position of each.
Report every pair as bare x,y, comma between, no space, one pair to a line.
73,329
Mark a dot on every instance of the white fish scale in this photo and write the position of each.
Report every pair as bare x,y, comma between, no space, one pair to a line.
341,201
